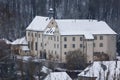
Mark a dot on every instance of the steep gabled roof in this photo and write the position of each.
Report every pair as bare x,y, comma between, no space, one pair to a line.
39,23
83,26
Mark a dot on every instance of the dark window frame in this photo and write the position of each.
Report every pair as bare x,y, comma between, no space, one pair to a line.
101,45
73,38
65,38
73,45
101,37
65,45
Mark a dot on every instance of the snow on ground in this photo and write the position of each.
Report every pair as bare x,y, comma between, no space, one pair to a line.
58,76
103,70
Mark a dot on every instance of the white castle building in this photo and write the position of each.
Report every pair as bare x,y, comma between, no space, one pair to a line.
53,38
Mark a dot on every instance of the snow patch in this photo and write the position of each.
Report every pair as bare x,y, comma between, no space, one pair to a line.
58,76
102,70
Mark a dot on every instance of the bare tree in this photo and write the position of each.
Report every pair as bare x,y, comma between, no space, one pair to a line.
75,60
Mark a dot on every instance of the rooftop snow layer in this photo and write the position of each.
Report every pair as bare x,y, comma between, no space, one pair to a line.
58,76
107,69
81,27
39,23
7,41
20,41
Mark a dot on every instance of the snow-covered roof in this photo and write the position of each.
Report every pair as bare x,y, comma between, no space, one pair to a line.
107,69
88,36
39,23
20,41
58,76
7,41
82,27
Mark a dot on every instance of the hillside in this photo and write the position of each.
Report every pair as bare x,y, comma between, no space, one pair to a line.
15,15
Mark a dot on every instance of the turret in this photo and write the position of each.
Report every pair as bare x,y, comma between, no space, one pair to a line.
51,13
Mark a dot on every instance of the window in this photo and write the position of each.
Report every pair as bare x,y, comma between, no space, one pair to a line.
73,39
41,44
81,38
57,45
93,44
101,37
65,39
54,38
32,45
52,51
57,38
51,37
28,33
54,45
48,38
35,34
95,37
35,45
28,44
55,52
101,44
45,44
39,35
40,54
32,34
73,45
65,53
65,46
81,45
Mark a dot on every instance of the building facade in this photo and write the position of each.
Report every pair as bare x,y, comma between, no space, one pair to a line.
53,39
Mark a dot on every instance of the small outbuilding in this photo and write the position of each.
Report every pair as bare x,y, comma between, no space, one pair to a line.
20,46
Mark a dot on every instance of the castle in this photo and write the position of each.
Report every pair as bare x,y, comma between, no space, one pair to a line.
53,38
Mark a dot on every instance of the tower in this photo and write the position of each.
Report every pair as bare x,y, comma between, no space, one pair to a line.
52,11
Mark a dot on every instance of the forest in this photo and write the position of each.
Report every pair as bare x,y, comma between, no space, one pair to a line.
16,15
